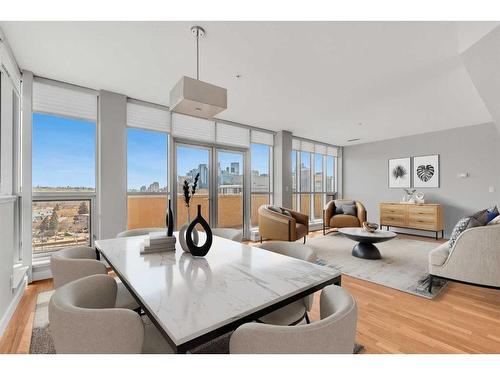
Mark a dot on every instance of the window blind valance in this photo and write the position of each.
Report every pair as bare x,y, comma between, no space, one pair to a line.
318,148
64,101
232,135
264,138
194,128
9,66
147,117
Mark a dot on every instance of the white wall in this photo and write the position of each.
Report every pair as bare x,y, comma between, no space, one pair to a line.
8,297
471,149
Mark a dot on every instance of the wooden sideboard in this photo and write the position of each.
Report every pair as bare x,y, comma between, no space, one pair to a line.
426,216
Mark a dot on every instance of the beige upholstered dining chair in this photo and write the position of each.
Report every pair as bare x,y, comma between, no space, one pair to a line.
74,263
83,319
229,233
334,333
297,311
139,232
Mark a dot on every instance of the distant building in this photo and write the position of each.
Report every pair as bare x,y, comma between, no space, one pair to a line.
154,187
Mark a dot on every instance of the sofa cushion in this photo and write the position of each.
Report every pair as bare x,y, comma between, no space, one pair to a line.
343,221
438,256
463,224
350,209
286,212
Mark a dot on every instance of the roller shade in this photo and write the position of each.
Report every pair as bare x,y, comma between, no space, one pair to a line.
147,117
9,66
194,128
333,151
64,100
232,135
264,138
320,149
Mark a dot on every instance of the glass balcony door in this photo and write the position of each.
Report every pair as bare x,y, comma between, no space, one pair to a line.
221,190
191,160
230,192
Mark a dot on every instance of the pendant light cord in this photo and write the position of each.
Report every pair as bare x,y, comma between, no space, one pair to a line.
198,55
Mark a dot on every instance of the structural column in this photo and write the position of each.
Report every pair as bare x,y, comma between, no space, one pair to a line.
112,164
282,169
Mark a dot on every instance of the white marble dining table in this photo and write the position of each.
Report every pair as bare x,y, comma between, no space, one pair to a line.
194,300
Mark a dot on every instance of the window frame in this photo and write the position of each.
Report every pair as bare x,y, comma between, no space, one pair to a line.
269,192
167,166
298,192
38,196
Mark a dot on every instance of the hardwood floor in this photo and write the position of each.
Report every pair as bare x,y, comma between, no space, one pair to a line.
463,319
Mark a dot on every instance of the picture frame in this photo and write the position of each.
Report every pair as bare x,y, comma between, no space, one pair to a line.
399,173
426,171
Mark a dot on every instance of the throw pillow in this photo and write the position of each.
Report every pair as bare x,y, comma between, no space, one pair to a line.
495,221
286,212
275,209
338,206
492,213
481,217
463,224
350,209
338,210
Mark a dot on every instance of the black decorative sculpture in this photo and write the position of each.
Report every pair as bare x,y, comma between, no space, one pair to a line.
169,222
199,251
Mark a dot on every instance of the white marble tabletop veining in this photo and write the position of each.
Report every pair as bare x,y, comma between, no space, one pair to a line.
192,296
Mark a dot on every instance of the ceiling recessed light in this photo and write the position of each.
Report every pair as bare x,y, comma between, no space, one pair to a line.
353,139
360,124
237,76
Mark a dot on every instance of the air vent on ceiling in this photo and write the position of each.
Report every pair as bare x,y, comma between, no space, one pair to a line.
353,139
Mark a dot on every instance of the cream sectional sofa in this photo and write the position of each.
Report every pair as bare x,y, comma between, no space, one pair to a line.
473,259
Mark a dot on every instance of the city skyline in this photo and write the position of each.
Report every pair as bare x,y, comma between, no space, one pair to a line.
64,152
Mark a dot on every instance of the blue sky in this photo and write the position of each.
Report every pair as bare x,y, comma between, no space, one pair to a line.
146,158
64,154
63,151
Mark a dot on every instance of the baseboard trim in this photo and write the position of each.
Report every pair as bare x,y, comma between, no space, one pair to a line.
41,272
4,322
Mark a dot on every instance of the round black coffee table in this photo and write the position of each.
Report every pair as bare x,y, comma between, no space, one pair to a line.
365,248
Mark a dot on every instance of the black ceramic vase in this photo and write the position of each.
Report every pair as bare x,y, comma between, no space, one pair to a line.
169,221
199,251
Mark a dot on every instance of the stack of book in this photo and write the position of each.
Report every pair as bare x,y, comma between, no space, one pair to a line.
158,242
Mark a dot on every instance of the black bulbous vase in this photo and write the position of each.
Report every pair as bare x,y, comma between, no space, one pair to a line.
199,251
169,220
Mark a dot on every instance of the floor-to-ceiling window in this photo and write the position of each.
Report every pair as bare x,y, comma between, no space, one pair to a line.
313,177
261,188
147,164
63,166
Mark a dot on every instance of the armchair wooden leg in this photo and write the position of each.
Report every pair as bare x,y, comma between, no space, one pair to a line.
305,239
431,279
307,318
260,239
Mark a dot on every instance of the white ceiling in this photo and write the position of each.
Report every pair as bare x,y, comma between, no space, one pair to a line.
316,79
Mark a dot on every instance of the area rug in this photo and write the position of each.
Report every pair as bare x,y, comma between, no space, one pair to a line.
42,343
403,265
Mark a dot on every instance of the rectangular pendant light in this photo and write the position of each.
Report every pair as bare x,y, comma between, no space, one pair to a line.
197,98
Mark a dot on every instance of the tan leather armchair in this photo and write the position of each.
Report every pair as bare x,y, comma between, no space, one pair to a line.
330,220
281,227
